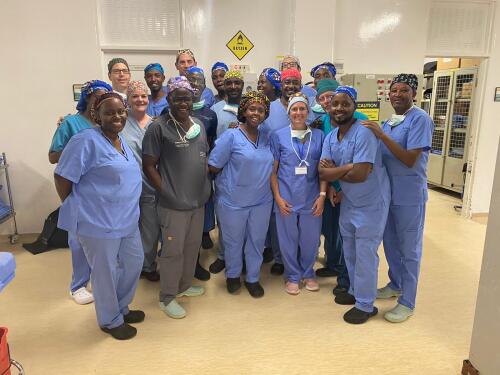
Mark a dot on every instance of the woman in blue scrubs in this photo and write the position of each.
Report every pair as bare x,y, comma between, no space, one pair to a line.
71,125
406,138
298,196
352,155
99,181
243,162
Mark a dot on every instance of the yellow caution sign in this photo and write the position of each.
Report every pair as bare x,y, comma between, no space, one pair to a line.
239,45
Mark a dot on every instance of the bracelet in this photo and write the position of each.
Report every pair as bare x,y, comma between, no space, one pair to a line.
323,193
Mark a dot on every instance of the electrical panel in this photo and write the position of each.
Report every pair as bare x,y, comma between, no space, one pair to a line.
375,88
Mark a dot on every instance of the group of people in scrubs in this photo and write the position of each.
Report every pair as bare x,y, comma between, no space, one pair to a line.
145,170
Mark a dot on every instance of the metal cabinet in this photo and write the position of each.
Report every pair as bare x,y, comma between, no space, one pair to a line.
373,88
451,111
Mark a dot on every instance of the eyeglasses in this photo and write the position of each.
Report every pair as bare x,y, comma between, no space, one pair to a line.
325,98
122,71
288,65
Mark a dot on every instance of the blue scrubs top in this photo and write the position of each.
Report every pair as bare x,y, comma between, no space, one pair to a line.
278,118
71,125
245,179
104,202
133,135
155,108
309,92
208,96
226,114
409,185
303,189
359,145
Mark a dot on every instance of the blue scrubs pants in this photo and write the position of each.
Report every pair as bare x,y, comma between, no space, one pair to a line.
333,243
362,230
149,226
298,235
272,239
244,235
81,268
116,266
403,250
220,253
209,219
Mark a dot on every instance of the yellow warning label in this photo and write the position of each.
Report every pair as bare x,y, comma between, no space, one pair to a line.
239,45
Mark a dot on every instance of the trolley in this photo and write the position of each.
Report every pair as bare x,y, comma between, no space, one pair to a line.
11,213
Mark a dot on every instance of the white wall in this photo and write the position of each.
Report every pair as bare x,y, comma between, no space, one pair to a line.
208,25
46,47
383,36
485,339
489,128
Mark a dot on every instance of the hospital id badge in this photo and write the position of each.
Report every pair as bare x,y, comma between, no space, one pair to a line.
300,170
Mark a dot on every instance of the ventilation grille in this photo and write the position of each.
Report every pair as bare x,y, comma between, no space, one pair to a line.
458,28
141,24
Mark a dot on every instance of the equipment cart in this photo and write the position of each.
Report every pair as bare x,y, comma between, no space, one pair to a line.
7,212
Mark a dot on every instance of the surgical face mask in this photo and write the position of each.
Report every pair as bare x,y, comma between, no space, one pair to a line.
198,105
317,108
300,134
193,131
398,119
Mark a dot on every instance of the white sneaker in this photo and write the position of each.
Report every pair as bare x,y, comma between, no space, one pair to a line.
82,296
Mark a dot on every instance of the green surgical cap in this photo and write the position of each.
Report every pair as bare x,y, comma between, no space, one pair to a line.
325,85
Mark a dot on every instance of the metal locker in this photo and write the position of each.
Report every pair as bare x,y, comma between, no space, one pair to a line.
458,132
440,107
451,111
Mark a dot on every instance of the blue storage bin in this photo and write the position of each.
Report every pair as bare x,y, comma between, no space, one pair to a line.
7,269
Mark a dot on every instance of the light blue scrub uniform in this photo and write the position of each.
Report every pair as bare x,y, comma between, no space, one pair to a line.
309,92
298,233
155,108
405,224
363,212
243,199
149,224
278,119
103,211
72,125
330,226
226,114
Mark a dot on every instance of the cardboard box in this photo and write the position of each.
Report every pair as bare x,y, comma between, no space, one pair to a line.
448,63
466,90
469,63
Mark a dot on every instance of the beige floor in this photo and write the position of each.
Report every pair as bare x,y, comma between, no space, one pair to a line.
278,334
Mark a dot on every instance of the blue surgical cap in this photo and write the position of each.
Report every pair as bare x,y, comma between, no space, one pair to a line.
274,77
220,65
87,89
348,90
195,69
325,65
154,66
